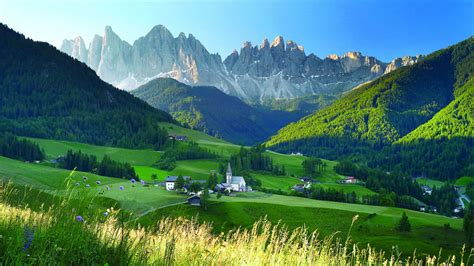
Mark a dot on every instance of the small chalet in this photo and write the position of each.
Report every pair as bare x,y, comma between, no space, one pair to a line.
179,138
194,200
350,180
426,190
296,154
299,187
171,181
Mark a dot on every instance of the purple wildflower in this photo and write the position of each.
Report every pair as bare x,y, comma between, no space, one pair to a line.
106,214
87,185
121,187
29,236
84,177
97,182
79,218
133,180
77,184
142,182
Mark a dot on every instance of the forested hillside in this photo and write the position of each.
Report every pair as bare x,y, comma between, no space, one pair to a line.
210,110
442,147
45,93
390,109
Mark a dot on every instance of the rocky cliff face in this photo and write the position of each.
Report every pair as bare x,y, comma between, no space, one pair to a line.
283,70
75,48
158,54
257,73
400,62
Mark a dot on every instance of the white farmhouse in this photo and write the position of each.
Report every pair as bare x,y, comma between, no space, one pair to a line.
171,181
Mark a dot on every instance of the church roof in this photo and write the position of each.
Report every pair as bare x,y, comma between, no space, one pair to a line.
174,178
237,179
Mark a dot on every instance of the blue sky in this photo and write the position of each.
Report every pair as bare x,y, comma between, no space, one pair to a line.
384,29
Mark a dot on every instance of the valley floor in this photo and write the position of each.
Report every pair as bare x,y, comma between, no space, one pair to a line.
149,204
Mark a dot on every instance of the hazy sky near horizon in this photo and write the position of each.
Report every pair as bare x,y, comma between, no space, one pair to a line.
385,29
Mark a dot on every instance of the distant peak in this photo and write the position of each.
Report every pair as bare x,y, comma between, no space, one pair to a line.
333,56
108,28
264,43
278,41
353,55
247,44
159,29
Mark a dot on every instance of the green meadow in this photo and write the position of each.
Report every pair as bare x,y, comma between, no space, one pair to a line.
151,203
375,224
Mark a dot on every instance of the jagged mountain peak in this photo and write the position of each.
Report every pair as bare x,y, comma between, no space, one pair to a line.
265,44
278,42
247,45
181,35
353,55
332,57
291,45
108,29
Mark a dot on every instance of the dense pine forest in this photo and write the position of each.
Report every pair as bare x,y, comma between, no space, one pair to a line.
12,147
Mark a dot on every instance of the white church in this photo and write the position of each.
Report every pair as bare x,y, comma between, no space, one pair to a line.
233,183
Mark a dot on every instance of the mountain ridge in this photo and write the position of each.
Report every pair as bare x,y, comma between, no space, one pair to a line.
256,74
208,109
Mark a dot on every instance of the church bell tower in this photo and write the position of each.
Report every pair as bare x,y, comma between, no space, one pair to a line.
228,175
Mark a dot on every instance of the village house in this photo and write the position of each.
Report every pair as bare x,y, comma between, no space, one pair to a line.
178,137
194,200
301,187
296,154
350,180
426,190
233,183
171,181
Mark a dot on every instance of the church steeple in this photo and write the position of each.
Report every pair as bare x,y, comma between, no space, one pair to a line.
228,176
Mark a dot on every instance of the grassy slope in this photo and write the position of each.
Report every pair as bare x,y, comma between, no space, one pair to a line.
463,181
43,177
55,148
430,182
427,235
132,198
242,211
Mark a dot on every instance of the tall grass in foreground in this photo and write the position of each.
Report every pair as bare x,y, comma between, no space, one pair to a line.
76,232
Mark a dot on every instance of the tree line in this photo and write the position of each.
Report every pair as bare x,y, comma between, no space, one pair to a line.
89,163
20,149
252,159
183,151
